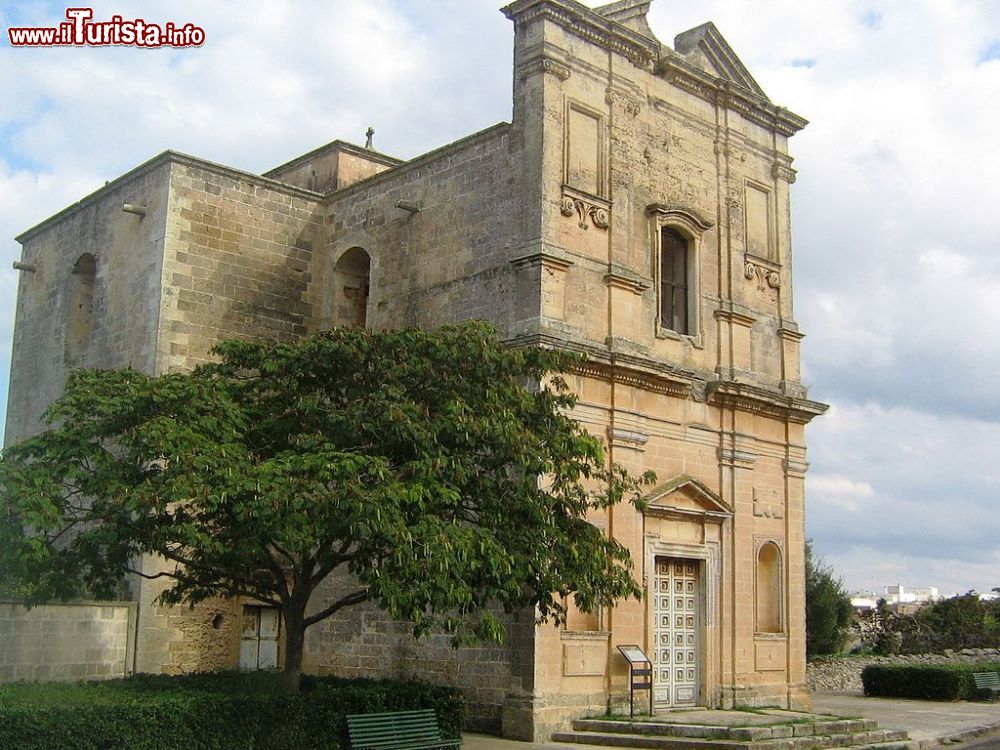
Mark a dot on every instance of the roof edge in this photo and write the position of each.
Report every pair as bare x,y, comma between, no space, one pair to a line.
350,148
418,161
588,24
166,157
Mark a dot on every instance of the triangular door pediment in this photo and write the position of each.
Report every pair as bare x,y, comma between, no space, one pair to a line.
687,496
705,47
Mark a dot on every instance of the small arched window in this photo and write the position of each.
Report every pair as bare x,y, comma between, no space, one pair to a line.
80,318
769,588
678,234
675,285
351,288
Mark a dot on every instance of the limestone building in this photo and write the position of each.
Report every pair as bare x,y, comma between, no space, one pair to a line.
636,208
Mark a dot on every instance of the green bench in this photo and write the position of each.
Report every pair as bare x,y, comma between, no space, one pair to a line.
988,682
399,730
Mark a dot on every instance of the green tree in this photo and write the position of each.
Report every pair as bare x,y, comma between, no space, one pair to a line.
416,461
963,621
828,608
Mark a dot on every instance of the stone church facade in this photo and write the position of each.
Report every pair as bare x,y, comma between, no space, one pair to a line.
635,209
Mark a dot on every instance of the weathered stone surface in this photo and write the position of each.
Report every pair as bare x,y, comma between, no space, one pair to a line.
62,642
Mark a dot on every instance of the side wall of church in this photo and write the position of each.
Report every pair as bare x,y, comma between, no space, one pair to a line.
93,298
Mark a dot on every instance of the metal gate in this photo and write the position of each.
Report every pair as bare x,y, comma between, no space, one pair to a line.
675,632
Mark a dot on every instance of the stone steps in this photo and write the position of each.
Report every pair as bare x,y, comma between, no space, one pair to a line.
819,735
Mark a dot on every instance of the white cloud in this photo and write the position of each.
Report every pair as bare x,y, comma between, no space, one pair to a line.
842,492
889,485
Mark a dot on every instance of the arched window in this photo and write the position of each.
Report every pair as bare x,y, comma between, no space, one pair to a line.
351,284
675,289
677,234
769,588
80,318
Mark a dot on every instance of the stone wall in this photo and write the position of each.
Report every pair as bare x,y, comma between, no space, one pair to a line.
61,642
235,261
843,674
56,328
444,263
364,641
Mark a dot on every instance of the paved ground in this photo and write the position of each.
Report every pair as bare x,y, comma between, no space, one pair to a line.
929,723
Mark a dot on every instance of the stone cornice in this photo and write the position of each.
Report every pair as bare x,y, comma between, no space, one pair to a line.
586,24
545,258
705,86
783,171
647,381
795,468
790,334
737,318
695,223
685,513
586,207
756,400
623,278
656,377
738,458
543,64
618,368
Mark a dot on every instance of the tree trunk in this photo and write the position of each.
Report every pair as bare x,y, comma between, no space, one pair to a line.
295,631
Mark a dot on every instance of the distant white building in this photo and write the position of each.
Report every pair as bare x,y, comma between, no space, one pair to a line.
899,594
894,595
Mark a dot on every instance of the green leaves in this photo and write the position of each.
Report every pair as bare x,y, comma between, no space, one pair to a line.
828,608
440,468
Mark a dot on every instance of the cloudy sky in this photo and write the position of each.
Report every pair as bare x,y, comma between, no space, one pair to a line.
897,233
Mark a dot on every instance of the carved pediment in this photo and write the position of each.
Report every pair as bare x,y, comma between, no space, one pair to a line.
704,47
685,495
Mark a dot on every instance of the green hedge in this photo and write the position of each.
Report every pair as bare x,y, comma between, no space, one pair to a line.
207,712
936,682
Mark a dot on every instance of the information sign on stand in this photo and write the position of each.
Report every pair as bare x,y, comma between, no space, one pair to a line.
640,675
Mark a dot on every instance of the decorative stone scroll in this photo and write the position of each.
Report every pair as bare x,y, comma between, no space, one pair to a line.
766,278
585,212
546,65
784,172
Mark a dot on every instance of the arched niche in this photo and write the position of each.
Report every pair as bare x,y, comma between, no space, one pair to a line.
768,589
351,287
80,313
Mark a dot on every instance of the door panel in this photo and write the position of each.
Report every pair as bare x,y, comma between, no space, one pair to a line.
676,622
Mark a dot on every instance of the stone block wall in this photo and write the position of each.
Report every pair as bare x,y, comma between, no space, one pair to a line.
236,261
114,325
364,641
61,642
446,262
843,674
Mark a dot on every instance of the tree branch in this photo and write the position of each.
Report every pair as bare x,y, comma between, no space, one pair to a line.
355,597
240,591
